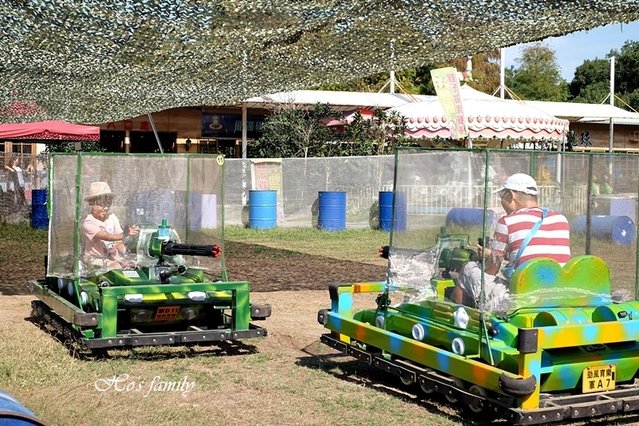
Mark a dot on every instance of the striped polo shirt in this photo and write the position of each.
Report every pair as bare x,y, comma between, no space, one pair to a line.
552,239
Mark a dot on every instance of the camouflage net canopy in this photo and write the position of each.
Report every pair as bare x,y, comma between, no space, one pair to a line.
94,61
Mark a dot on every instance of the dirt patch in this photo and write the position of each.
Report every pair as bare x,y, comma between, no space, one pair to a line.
266,268
269,269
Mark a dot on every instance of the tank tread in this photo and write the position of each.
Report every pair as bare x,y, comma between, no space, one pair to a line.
194,335
173,337
552,408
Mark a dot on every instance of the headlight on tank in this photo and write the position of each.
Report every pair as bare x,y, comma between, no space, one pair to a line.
190,313
141,315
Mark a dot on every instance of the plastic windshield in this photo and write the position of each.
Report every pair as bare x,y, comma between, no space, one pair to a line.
93,192
444,204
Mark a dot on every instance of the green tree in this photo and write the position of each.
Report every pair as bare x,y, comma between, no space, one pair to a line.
485,70
378,135
627,68
590,84
592,78
538,76
291,132
627,74
633,99
294,132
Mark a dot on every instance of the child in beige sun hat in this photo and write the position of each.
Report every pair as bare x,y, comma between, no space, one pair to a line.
103,235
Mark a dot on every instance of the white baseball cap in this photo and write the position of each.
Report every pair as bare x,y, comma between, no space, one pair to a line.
520,182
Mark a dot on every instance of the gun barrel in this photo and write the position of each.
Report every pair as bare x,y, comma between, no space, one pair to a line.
171,249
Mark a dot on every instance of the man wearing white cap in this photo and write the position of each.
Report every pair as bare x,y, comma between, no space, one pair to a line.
103,234
526,232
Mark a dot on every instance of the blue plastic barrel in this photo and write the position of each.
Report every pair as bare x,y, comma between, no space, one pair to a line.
332,210
470,217
618,229
262,208
386,211
12,413
39,215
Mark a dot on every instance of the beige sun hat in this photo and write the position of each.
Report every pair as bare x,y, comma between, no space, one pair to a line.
99,189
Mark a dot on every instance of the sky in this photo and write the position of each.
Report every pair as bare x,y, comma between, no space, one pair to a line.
573,49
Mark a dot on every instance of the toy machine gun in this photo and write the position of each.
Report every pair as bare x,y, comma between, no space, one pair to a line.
445,260
161,245
159,255
453,252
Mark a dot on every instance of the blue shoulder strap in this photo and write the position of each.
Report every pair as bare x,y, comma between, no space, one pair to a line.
531,233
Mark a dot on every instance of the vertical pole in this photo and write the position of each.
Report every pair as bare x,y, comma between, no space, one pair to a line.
155,132
77,226
244,182
502,72
127,141
244,107
612,103
392,81
392,73
636,263
244,129
244,155
588,205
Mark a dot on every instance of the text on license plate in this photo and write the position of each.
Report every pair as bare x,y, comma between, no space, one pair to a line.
598,378
165,313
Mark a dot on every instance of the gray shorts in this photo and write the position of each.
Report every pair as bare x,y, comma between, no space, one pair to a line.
495,296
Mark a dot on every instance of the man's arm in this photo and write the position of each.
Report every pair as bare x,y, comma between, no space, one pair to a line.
493,263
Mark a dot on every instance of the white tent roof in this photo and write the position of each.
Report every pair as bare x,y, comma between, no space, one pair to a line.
623,121
341,101
348,101
582,112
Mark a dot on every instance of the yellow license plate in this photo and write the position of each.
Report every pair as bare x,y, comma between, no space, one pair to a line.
166,313
598,378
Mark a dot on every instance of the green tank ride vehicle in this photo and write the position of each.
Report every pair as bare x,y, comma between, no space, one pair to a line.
160,280
563,341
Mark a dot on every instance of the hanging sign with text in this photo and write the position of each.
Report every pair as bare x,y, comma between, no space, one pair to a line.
446,84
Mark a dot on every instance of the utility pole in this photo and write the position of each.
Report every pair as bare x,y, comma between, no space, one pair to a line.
612,103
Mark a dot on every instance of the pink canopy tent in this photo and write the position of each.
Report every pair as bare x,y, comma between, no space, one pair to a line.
349,117
49,131
486,117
